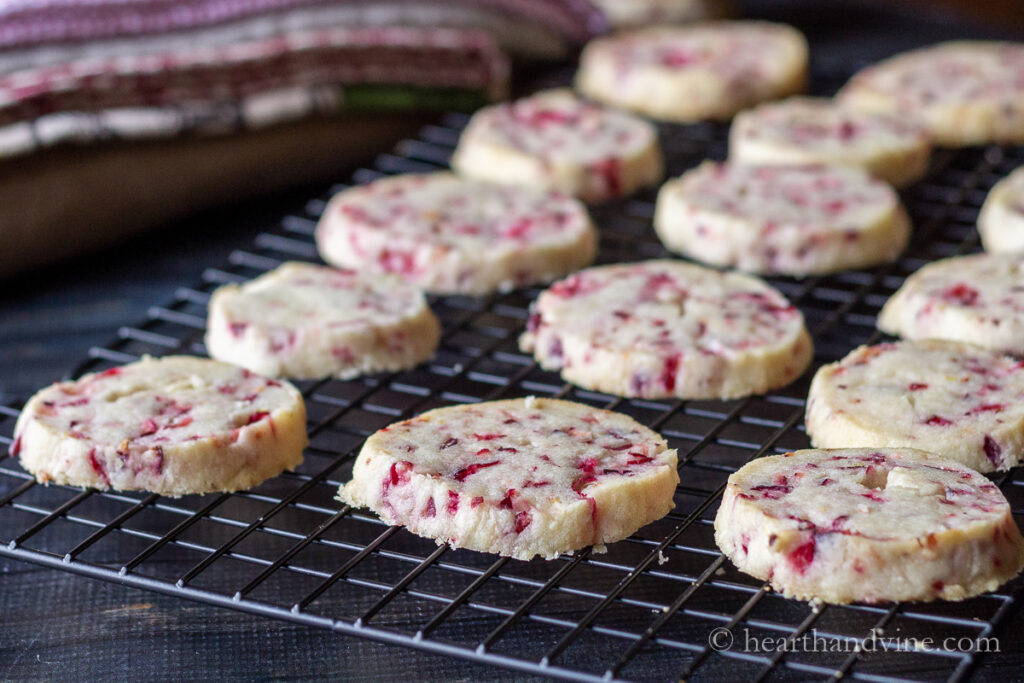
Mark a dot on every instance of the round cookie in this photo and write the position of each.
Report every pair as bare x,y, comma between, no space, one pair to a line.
307,322
520,477
634,13
555,141
454,236
814,130
174,426
956,400
693,73
789,220
1001,221
977,299
865,525
963,92
663,329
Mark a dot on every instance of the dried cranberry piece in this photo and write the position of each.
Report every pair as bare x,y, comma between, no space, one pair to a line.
668,374
802,556
255,417
937,421
470,470
993,451
961,294
98,467
448,443
453,502
523,520
773,491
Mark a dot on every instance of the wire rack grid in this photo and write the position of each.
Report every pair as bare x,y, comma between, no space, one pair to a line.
643,611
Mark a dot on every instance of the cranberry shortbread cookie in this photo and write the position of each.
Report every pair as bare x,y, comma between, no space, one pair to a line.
957,400
173,426
449,235
964,92
865,525
1001,221
977,299
556,141
662,329
786,220
307,322
520,477
691,73
815,130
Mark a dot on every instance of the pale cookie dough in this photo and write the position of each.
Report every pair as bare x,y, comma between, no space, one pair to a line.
173,426
635,13
520,478
964,92
813,130
307,322
1001,221
976,299
865,525
454,236
788,220
957,400
662,329
555,141
692,73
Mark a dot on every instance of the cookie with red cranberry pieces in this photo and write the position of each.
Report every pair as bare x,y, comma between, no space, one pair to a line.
1001,221
554,140
963,92
691,73
976,299
815,130
782,220
306,321
668,329
173,426
519,477
867,525
450,235
957,400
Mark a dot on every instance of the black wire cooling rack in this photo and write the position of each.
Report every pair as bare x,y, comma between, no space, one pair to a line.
645,610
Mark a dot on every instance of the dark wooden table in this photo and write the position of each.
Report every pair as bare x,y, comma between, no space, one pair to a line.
54,625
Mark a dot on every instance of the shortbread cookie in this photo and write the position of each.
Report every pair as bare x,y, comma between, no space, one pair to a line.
977,299
1001,221
306,322
173,426
635,13
964,92
454,236
814,130
862,525
789,220
664,329
556,141
708,71
519,478
957,400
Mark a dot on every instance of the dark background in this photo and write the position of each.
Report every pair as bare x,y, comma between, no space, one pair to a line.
59,626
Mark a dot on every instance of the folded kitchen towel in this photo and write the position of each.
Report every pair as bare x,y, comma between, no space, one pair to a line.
92,88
